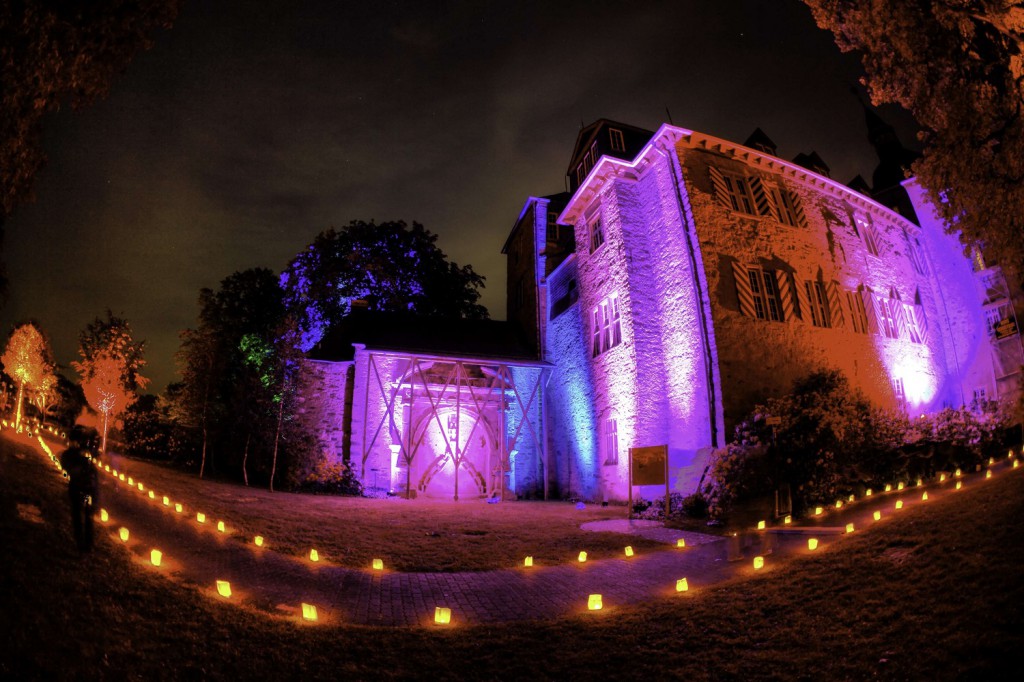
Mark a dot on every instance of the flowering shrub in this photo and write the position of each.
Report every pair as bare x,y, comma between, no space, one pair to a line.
830,441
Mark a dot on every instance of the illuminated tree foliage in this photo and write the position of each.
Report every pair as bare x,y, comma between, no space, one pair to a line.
958,67
110,368
392,266
28,361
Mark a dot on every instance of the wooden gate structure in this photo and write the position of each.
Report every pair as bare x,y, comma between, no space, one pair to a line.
456,419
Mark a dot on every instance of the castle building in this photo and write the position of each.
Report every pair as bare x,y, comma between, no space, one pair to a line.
699,277
680,281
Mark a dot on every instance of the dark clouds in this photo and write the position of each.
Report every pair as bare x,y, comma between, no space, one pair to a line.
251,126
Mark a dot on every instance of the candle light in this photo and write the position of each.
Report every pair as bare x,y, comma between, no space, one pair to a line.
682,585
258,540
155,557
314,555
849,528
878,516
378,564
104,517
680,542
582,557
629,550
308,611
812,544
758,563
224,588
528,562
442,615
123,532
594,602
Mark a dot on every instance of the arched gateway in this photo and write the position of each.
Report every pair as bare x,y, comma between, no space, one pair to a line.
410,410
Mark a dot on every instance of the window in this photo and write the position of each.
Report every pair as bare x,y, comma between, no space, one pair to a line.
596,234
914,251
766,294
868,234
857,312
914,327
607,331
787,208
581,173
887,317
610,441
818,300
618,144
979,400
899,392
738,194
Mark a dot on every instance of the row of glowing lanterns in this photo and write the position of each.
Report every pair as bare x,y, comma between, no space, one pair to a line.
442,614
819,510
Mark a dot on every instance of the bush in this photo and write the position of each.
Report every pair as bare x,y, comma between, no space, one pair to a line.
695,506
331,478
830,441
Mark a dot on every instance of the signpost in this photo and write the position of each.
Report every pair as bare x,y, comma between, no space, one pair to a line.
649,466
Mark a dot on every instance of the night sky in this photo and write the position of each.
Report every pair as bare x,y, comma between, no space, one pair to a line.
252,126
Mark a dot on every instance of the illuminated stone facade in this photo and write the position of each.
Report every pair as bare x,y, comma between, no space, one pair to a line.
705,276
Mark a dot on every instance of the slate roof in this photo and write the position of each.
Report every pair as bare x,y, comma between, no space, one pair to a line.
473,339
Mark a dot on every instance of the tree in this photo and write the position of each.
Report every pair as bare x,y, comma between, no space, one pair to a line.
391,266
211,365
28,361
110,367
45,396
958,67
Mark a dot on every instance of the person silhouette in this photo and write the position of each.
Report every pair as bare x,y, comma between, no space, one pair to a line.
83,484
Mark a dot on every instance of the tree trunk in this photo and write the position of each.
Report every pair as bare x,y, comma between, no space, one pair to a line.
245,458
17,419
277,438
202,457
103,448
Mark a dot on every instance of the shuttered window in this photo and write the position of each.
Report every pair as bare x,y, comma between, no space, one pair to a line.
758,292
610,441
741,193
788,208
818,304
858,317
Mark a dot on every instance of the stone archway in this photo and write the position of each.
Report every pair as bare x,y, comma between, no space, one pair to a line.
457,452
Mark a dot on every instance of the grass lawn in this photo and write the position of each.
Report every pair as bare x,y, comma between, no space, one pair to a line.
935,593
410,535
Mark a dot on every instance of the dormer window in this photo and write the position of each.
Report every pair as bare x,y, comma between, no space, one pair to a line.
617,142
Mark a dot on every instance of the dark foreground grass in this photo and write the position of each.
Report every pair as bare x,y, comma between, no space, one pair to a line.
936,593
